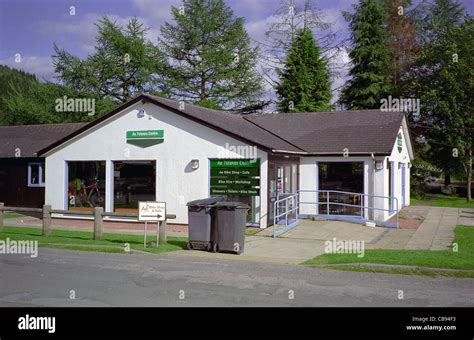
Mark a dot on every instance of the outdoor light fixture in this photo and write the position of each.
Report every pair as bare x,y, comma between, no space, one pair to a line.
379,165
195,164
141,113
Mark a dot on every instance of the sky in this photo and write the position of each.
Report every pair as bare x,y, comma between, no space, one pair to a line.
32,27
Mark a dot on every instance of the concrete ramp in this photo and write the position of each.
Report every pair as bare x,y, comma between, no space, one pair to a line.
327,230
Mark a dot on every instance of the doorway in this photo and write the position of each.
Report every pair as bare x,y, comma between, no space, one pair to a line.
283,178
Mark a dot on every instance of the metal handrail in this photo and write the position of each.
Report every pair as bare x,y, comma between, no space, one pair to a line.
393,211
287,211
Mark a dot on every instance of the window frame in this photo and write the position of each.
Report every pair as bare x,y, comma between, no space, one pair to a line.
41,183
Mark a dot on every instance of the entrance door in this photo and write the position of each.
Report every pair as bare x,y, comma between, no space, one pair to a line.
272,191
282,179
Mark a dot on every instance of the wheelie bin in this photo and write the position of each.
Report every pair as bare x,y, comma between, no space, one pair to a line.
229,231
200,222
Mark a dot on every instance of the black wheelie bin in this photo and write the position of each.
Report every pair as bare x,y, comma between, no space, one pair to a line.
200,222
231,221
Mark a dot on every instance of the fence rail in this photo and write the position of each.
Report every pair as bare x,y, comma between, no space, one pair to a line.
98,214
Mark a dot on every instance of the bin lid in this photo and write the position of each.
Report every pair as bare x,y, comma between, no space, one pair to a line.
231,205
205,202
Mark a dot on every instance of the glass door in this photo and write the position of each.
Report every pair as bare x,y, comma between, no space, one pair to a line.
282,181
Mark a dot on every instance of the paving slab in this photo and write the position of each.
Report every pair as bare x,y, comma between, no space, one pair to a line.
328,230
437,230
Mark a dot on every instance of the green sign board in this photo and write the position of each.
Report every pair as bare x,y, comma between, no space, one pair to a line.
145,138
235,163
235,177
243,172
237,181
235,192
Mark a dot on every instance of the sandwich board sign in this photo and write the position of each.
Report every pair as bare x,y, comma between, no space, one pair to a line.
151,211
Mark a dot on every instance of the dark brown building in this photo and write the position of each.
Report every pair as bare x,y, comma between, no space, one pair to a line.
22,174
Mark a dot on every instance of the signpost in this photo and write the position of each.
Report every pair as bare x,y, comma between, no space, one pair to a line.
235,177
152,212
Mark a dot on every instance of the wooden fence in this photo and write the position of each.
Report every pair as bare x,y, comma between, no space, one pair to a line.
98,214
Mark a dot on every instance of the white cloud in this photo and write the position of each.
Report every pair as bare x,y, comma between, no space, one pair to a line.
156,12
42,67
85,32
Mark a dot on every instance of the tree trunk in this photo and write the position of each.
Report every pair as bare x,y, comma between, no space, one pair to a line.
447,178
469,177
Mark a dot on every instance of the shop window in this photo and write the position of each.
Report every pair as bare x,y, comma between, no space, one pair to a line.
86,185
346,177
36,175
134,181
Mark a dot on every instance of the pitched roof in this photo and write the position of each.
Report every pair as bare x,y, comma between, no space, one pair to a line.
29,139
232,123
363,132
307,133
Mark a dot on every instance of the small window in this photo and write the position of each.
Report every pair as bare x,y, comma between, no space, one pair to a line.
36,176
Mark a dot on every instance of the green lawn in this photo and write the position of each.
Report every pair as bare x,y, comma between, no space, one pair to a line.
462,259
443,201
12,215
82,240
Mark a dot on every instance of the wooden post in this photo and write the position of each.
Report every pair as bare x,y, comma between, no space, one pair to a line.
98,211
162,232
1,216
46,220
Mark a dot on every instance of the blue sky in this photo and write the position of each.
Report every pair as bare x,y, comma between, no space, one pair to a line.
31,27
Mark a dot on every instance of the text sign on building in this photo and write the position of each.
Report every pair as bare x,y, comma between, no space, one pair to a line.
235,177
145,134
145,138
151,211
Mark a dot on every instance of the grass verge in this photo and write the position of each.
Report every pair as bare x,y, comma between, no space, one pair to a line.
463,258
426,272
82,240
443,201
12,215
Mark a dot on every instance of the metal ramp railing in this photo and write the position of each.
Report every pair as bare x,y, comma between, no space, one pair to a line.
287,208
282,210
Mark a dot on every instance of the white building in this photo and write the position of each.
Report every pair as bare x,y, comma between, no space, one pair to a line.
156,149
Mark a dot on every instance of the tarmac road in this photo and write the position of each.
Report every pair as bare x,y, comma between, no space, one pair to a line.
101,279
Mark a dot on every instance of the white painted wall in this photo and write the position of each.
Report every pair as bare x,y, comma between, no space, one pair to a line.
176,183
401,159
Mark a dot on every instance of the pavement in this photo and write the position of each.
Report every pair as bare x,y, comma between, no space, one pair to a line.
437,230
171,280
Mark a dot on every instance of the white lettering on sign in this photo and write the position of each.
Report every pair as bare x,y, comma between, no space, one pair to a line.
151,211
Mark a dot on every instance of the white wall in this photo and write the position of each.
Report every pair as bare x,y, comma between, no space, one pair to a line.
401,159
176,183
